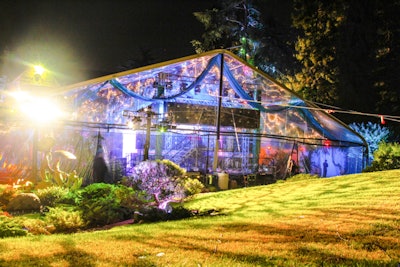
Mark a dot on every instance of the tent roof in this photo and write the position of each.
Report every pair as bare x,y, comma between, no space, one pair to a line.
197,80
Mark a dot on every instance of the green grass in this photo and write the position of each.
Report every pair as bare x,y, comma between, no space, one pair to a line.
350,220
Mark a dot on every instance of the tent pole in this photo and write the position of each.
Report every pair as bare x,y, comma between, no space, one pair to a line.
216,147
147,142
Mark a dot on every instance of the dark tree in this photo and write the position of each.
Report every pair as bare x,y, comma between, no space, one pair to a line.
258,31
369,56
233,25
346,53
318,22
276,55
387,54
355,57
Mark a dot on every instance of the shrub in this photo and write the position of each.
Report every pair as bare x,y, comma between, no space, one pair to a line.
12,174
64,221
172,169
51,196
11,228
59,178
160,181
103,204
6,195
154,214
386,157
192,186
71,198
36,226
373,134
164,182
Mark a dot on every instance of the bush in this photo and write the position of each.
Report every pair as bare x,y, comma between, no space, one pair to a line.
64,221
192,186
51,196
7,193
36,226
373,134
172,169
102,204
153,214
11,228
164,182
71,198
386,157
159,180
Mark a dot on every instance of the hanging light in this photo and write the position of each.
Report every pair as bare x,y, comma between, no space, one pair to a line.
130,124
134,123
164,124
38,72
382,119
327,143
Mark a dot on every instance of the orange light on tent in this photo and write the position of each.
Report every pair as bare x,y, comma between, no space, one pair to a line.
327,143
382,119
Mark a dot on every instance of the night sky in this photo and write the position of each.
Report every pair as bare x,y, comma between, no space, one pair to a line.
82,39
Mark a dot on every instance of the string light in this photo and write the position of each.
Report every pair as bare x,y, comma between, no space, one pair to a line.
284,95
331,110
382,120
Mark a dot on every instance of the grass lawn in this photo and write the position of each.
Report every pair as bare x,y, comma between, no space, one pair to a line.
351,220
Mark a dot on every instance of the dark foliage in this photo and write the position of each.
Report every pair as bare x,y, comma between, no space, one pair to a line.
10,228
102,204
386,157
153,214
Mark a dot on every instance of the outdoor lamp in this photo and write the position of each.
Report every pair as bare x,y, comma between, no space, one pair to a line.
38,72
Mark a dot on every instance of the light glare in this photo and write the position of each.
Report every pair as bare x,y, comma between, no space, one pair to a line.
36,109
40,110
39,69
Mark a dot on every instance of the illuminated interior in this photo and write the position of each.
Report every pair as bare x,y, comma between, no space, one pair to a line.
189,105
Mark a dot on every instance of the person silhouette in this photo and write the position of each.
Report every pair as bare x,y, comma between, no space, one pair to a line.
325,169
99,167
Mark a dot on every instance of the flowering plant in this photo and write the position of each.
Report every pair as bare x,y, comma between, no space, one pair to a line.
161,180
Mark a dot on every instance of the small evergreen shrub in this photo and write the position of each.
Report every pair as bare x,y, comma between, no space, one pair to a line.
11,228
37,226
386,157
51,196
102,204
192,186
71,198
172,169
164,182
64,221
373,134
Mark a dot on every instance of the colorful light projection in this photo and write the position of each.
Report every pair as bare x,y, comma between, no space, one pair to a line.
194,81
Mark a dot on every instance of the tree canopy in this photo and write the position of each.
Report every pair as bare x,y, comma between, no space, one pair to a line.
339,52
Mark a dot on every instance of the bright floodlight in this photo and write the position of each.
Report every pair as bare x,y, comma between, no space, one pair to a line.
41,110
19,96
39,70
37,109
